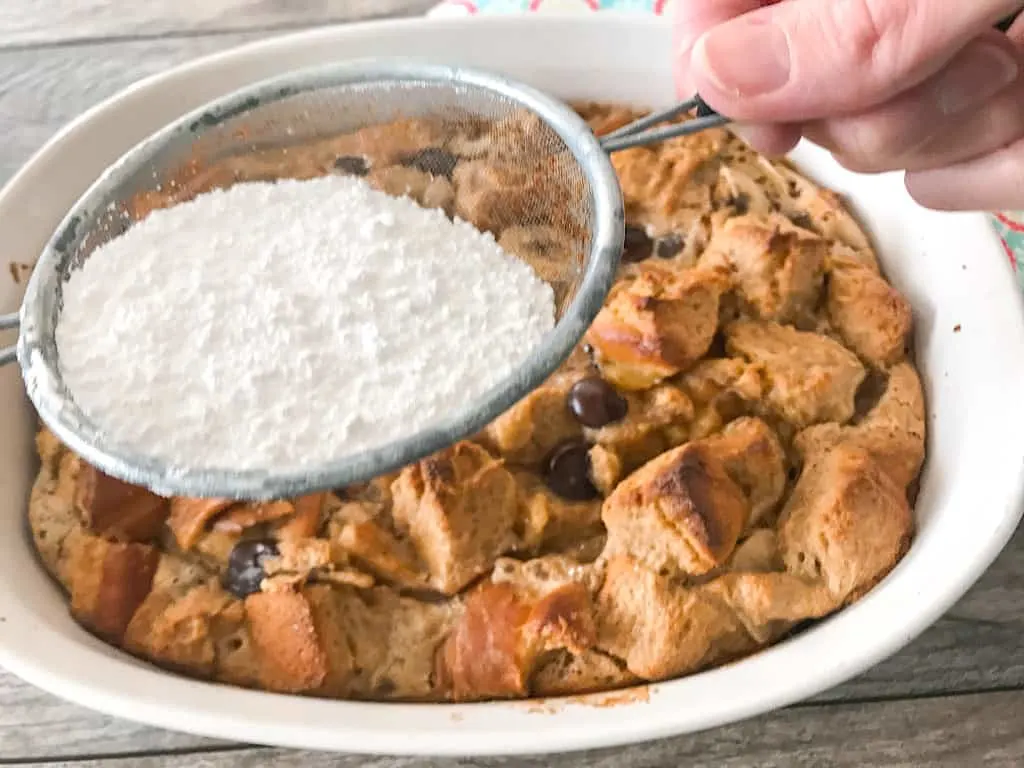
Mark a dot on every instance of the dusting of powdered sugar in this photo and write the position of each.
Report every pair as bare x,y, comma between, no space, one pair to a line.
280,325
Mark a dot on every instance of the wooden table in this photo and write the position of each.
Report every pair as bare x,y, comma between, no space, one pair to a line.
955,697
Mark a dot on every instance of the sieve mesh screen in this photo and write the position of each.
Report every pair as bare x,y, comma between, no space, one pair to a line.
509,160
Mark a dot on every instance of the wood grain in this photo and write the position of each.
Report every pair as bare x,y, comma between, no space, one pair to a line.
41,90
978,731
34,725
46,22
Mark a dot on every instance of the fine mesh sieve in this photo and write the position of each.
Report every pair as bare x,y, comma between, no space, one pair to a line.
529,170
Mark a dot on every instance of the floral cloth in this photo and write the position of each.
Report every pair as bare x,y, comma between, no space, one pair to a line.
1009,225
457,7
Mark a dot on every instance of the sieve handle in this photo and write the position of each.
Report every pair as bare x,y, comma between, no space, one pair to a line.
8,354
642,132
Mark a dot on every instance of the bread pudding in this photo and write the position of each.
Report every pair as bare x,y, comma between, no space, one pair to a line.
731,452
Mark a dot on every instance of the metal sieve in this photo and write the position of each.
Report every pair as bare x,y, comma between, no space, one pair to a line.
545,188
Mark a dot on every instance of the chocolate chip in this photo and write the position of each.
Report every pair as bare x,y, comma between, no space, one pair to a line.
595,403
637,245
352,165
568,472
803,221
433,160
245,566
741,203
668,246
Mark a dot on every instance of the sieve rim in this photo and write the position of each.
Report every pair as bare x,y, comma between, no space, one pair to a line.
55,407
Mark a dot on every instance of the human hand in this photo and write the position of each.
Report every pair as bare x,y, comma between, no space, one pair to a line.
922,86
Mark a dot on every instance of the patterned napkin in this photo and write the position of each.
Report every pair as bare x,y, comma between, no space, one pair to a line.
1008,224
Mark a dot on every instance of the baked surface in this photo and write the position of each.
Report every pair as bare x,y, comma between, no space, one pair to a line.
730,454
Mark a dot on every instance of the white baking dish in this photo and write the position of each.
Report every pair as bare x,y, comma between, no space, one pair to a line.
970,342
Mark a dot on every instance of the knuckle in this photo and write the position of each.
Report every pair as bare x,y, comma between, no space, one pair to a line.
869,36
874,141
865,143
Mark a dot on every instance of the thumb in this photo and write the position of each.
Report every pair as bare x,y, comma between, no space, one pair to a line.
810,59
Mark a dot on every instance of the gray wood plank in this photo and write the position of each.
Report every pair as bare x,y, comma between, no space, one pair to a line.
34,725
976,646
33,22
41,90
978,731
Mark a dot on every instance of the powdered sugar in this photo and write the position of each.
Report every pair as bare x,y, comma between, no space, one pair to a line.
279,325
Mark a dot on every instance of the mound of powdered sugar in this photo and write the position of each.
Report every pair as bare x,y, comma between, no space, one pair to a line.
279,325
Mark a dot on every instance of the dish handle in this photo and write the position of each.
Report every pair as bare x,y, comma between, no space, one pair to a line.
7,354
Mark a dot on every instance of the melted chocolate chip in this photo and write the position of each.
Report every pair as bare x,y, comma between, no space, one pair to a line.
433,160
803,221
595,403
568,472
668,246
245,566
353,165
741,203
637,245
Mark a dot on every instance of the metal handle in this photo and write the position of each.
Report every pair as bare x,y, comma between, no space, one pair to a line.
636,134
7,354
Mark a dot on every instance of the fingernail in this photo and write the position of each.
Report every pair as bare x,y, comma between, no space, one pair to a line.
981,71
744,58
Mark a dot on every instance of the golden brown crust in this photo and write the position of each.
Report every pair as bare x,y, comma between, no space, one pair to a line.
873,318
660,628
810,378
655,325
493,650
109,581
846,523
754,459
892,432
666,185
681,513
116,510
287,640
528,431
546,519
186,629
722,389
458,508
776,267
562,673
744,482
190,517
